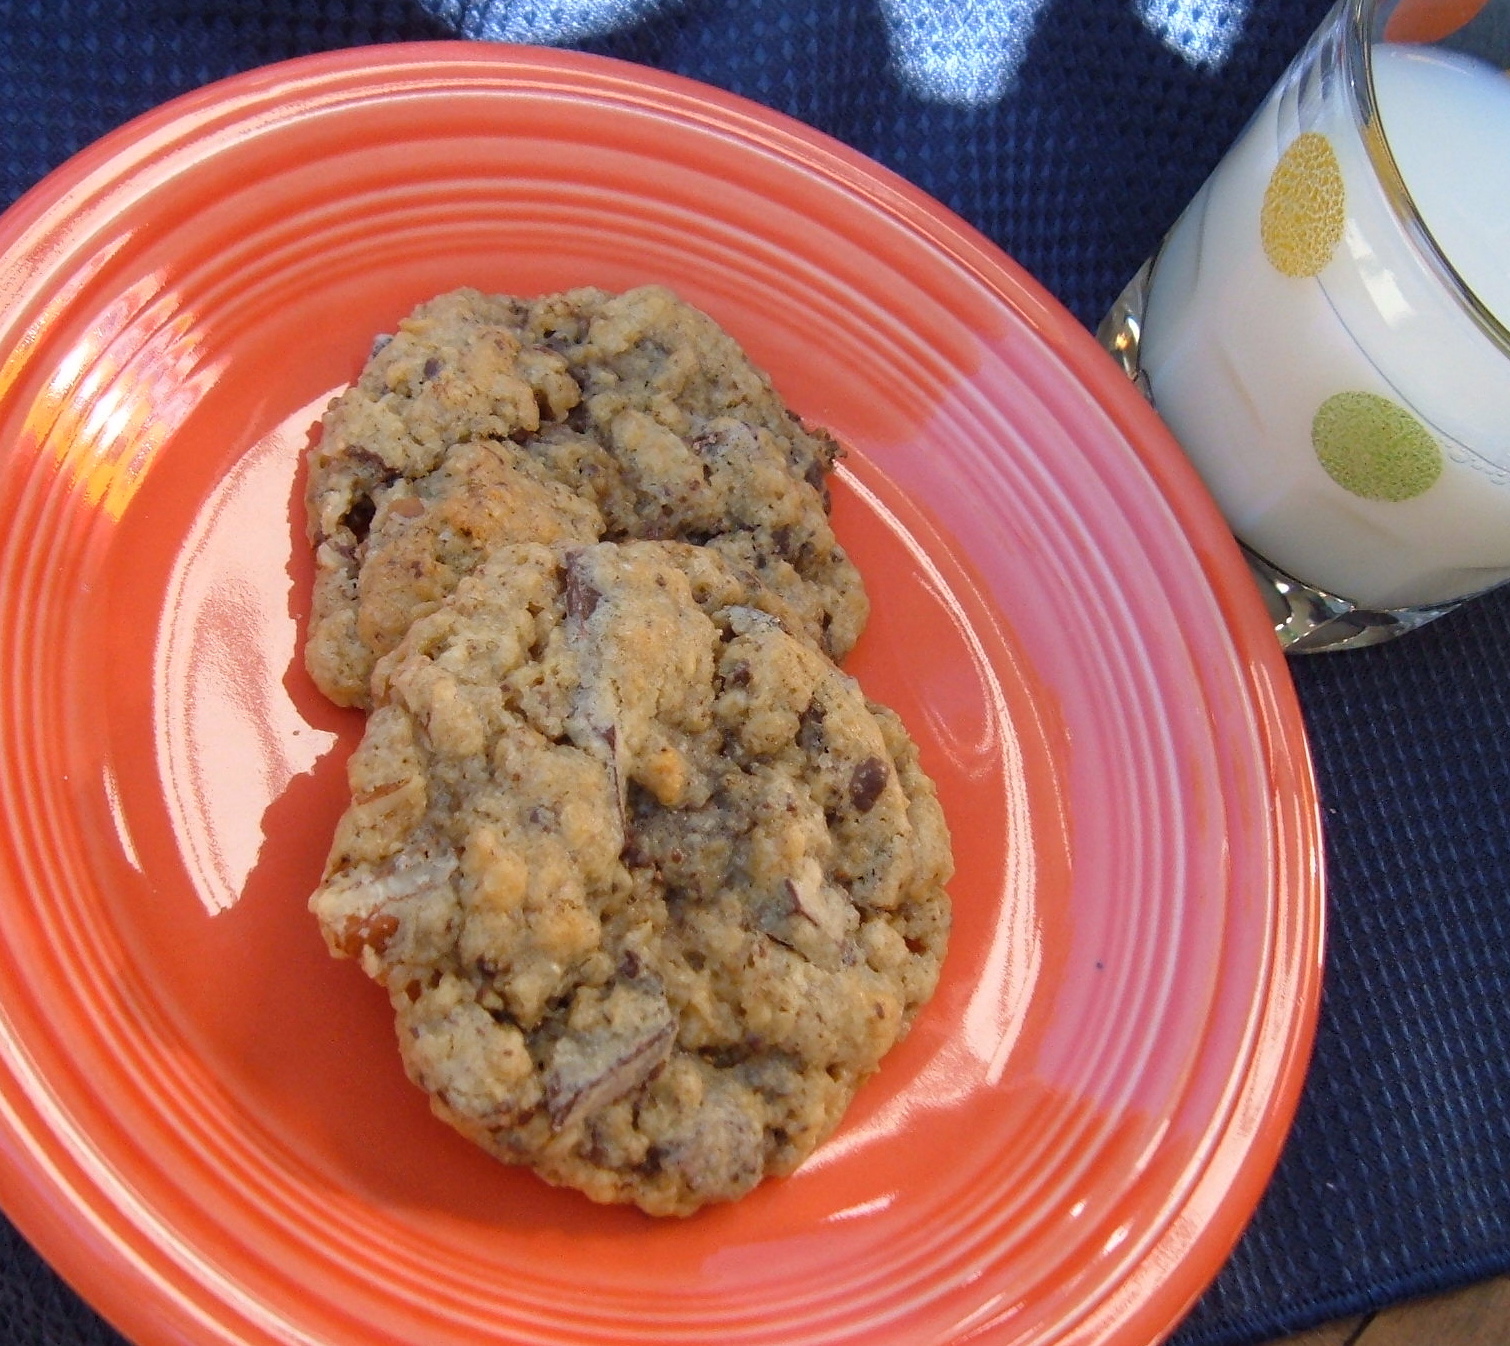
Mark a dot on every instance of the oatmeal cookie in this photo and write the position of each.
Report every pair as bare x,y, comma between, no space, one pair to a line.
650,883
587,416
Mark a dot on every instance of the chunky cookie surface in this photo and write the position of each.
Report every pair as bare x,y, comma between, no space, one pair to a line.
650,883
581,416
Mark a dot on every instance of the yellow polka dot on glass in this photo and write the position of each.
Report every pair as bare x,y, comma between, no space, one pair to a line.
1302,216
1325,327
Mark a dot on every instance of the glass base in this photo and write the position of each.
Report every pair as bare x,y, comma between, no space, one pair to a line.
1307,620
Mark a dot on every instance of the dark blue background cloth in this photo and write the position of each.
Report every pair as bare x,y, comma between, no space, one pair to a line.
1396,1179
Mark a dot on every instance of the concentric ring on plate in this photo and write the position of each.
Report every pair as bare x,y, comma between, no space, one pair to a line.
204,1122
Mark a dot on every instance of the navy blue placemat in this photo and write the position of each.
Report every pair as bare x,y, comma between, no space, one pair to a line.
1071,132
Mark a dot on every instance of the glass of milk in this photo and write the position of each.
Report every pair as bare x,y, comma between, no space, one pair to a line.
1325,327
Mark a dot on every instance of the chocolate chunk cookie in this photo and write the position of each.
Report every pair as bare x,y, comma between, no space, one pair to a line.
650,883
586,416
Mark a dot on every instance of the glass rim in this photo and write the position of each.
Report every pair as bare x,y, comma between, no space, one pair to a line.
1359,23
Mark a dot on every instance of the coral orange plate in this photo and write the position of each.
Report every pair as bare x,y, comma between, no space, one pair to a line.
203,1120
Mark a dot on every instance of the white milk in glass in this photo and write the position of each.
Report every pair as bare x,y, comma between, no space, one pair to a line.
1308,355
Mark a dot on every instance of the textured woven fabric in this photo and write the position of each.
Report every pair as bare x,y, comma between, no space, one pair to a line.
1071,132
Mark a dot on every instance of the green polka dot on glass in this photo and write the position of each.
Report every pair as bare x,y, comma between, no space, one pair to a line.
1374,447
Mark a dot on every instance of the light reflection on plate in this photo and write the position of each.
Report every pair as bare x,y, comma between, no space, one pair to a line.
229,736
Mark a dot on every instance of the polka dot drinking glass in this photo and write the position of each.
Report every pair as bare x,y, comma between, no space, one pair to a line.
1325,327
